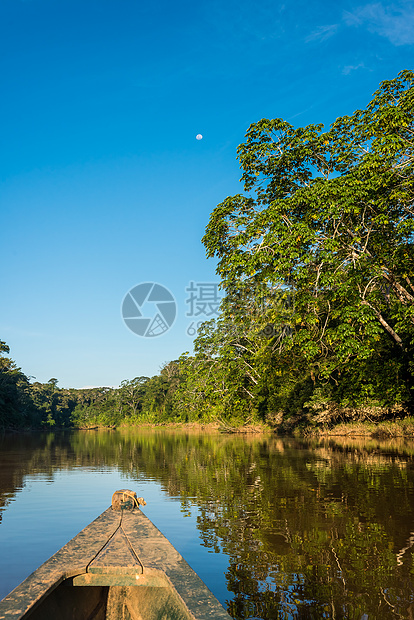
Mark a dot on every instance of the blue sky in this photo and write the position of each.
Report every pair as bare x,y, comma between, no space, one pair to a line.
103,184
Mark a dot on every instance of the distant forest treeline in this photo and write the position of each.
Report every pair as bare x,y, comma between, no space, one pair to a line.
24,404
316,262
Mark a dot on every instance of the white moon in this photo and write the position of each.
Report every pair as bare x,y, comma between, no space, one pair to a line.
199,136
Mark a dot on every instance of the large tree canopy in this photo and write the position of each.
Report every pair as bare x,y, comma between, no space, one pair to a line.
328,215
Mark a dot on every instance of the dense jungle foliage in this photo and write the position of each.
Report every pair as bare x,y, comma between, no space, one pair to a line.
316,262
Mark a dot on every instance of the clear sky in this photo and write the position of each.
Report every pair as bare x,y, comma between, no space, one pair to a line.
103,184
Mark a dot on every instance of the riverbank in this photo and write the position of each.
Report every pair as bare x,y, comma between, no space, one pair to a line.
370,430
385,429
381,430
208,427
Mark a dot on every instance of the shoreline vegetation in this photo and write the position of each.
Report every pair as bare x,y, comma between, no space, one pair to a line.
370,430
397,429
315,331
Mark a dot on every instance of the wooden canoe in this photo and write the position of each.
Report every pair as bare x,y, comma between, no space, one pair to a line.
119,567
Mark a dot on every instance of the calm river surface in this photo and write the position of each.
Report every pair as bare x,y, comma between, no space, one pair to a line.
277,528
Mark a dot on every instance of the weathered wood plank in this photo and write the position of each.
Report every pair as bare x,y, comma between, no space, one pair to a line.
72,559
115,553
155,551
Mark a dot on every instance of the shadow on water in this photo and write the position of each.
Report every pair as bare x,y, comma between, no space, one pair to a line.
310,529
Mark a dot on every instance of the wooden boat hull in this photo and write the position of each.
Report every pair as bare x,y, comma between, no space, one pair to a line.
119,567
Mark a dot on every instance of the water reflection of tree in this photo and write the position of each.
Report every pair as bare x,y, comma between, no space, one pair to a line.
21,455
317,530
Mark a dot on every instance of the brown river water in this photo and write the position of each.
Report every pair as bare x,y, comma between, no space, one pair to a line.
276,527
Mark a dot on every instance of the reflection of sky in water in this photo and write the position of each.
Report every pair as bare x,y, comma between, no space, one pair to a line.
49,510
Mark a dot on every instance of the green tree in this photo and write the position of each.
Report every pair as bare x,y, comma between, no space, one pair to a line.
129,396
329,219
15,404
